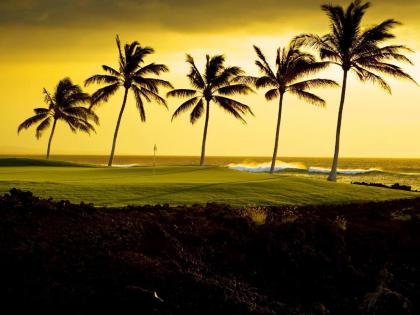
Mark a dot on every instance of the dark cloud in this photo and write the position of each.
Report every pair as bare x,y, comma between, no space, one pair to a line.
178,15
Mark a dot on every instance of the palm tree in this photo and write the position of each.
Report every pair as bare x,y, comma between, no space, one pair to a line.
132,75
64,104
217,82
361,51
292,65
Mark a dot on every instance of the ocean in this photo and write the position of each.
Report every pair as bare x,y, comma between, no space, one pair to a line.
378,170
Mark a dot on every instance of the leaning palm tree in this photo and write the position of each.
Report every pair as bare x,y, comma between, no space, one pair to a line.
292,66
64,104
132,75
361,51
212,86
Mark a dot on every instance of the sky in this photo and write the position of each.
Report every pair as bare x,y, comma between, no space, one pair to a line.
43,41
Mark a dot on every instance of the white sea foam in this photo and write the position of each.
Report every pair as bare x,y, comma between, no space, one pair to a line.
296,166
356,171
265,167
124,165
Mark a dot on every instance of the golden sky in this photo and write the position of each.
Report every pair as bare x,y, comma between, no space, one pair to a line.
43,41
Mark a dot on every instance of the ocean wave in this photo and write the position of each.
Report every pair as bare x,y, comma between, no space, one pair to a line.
296,167
122,165
356,171
265,167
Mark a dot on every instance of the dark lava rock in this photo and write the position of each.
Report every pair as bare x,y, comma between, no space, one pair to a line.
62,258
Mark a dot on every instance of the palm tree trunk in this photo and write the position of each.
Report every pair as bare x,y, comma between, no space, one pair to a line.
50,139
276,143
206,124
333,174
117,127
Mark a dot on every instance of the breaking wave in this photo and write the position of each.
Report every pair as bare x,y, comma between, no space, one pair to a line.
296,167
123,165
265,167
356,171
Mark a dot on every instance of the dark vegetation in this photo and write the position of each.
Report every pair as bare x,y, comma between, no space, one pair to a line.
393,186
62,258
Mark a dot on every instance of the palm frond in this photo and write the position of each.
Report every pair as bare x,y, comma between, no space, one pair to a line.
152,84
366,75
41,110
378,33
263,64
233,89
195,76
265,81
313,83
389,69
245,79
309,97
77,124
185,106
139,103
213,67
237,106
181,93
225,77
152,68
153,96
103,94
122,59
197,111
31,121
111,71
101,79
225,104
82,113
42,126
272,94
48,99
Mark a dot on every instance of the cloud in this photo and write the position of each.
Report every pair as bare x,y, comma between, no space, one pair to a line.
175,15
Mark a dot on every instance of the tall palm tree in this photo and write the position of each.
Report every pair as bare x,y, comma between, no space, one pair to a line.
212,86
292,66
132,75
64,104
361,51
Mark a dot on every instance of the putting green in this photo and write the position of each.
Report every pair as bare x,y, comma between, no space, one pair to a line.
177,185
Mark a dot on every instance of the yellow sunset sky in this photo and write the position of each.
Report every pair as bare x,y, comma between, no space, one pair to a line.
43,41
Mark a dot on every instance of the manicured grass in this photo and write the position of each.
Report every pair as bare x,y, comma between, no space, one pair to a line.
37,162
177,185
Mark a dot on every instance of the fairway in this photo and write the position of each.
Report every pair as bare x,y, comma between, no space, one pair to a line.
177,185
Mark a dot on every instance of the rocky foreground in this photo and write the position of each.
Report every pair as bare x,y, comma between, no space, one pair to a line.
62,258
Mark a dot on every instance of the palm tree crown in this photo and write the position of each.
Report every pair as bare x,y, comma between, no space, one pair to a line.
65,105
215,84
358,50
292,66
132,74
352,48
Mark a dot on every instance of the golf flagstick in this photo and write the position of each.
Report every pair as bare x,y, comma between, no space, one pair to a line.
154,158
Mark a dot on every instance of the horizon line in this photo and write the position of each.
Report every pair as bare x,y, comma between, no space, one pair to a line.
2,155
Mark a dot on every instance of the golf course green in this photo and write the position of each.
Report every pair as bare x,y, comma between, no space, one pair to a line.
177,185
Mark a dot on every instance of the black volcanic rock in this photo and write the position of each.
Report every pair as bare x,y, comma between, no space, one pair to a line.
62,258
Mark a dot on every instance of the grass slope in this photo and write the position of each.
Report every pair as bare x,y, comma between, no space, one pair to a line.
177,185
10,162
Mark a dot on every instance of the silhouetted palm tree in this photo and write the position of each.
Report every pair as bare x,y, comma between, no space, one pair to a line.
292,66
217,82
131,75
353,49
64,104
